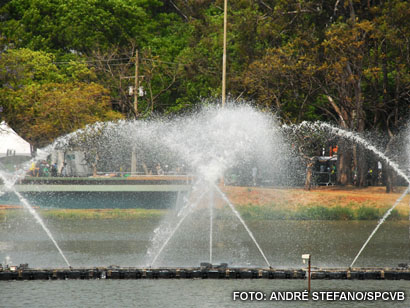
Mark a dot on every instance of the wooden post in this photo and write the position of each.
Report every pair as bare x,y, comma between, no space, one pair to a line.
307,257
309,276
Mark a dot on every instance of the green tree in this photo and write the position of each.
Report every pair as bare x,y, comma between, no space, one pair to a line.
42,102
282,81
80,26
42,112
21,67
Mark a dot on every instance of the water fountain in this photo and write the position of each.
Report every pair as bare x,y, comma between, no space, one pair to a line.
209,144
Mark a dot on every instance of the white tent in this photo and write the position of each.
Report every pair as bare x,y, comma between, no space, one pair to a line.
12,144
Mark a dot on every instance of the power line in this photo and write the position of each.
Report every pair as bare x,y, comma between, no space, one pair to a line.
118,59
90,61
166,62
115,60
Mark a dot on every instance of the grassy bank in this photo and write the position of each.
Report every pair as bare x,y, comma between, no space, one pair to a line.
248,212
252,212
88,214
330,203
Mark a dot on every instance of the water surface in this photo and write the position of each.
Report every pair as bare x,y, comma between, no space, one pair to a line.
178,293
123,242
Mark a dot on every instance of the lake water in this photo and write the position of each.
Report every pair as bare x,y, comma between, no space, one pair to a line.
179,293
89,243
125,242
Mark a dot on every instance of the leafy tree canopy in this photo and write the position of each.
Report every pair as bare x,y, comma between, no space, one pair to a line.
41,101
82,26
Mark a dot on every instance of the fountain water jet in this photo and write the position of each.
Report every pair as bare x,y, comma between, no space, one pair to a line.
36,216
357,139
211,218
243,223
354,137
192,206
184,215
381,221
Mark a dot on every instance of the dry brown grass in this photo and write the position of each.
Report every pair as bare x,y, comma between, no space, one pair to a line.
256,199
296,198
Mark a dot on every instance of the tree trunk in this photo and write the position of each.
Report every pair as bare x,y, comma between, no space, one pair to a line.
390,179
144,166
309,174
344,161
95,164
388,173
362,167
33,150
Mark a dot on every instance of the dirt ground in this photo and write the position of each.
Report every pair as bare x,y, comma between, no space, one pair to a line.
295,198
6,207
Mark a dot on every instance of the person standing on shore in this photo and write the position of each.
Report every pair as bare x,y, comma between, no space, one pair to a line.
54,170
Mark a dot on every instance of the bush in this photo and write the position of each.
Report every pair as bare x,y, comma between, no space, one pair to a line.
314,213
261,212
367,213
395,215
325,213
342,213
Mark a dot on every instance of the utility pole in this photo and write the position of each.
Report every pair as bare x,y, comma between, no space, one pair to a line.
136,84
224,55
136,88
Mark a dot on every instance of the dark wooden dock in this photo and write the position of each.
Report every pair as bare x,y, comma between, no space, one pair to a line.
220,272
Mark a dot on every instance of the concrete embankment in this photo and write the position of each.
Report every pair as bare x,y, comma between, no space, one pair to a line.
152,191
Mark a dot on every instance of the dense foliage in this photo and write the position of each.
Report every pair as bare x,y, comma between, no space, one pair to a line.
343,61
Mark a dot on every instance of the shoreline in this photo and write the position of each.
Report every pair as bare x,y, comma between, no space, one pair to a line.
320,203
264,203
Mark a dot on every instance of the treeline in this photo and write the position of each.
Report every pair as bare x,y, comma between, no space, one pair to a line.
67,63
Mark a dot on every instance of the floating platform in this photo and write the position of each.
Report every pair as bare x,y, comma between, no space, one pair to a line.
26,273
